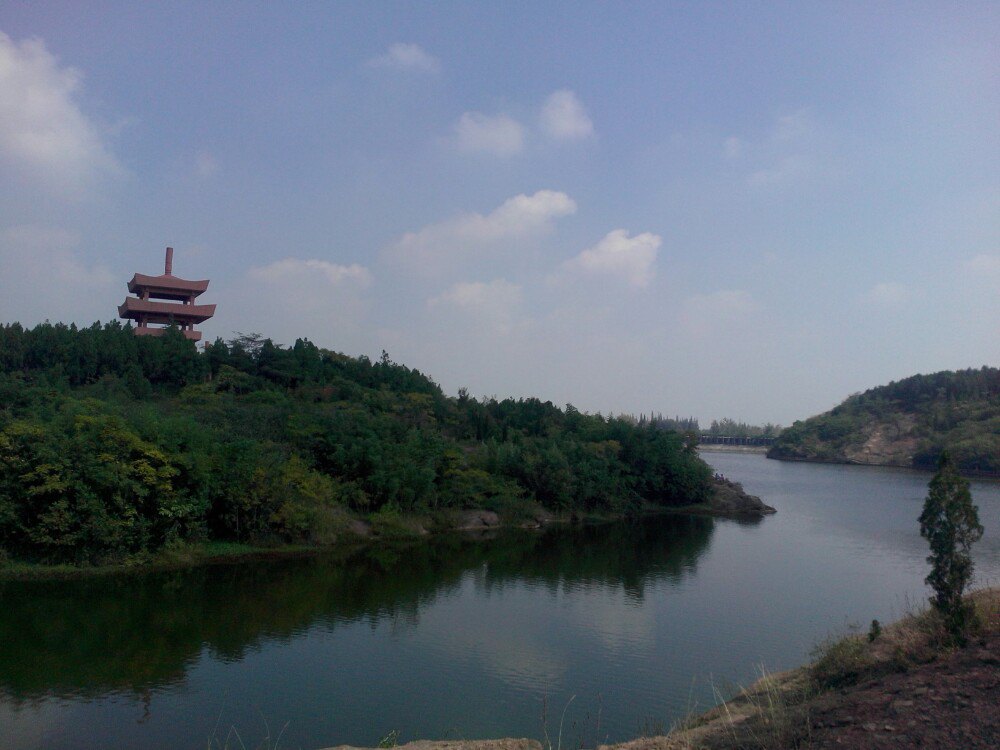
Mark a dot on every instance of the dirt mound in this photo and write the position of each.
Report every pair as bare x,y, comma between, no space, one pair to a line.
953,702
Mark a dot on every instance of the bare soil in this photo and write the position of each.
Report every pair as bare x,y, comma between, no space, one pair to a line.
953,702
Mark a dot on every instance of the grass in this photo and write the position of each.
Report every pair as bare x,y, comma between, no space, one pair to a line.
233,740
774,712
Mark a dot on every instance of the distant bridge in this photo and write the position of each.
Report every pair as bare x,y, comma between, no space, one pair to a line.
732,440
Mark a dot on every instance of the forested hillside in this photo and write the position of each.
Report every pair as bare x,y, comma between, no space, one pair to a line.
113,445
908,423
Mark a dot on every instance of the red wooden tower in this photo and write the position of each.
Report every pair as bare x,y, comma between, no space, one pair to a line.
180,311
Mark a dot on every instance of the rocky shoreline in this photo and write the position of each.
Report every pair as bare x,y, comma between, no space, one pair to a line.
729,500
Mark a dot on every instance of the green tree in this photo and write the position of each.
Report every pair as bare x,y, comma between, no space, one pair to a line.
950,524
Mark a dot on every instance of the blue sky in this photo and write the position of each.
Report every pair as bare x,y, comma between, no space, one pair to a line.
711,209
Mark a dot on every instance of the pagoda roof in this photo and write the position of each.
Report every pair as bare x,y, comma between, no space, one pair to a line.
166,286
165,312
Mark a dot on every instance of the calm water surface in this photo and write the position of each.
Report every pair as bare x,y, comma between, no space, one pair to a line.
625,627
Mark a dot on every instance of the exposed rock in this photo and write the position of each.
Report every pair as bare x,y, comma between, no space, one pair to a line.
501,744
476,520
892,442
730,499
360,528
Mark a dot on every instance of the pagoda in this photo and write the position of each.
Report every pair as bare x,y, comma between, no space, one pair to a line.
180,311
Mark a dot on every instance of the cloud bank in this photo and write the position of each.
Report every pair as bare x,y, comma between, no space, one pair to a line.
44,135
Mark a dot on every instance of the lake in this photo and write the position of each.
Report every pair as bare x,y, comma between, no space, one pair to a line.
612,630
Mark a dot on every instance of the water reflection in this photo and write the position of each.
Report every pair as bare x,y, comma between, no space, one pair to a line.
136,633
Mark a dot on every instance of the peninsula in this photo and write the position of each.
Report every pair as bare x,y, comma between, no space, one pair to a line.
907,424
117,449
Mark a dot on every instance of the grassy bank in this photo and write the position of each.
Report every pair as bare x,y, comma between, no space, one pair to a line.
862,690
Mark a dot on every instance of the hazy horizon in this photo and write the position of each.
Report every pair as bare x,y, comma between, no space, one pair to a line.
710,210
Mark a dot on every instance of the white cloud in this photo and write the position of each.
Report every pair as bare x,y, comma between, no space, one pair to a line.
499,135
42,276
563,117
890,294
498,303
618,255
44,136
309,271
450,240
401,56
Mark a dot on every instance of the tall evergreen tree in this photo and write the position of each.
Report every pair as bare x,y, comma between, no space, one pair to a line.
950,524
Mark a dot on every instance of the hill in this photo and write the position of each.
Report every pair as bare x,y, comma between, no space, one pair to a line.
907,423
113,446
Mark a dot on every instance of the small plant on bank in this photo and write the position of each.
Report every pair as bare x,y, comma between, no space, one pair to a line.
839,663
390,740
950,524
874,631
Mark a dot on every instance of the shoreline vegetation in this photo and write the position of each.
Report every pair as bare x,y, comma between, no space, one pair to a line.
728,500
126,451
907,424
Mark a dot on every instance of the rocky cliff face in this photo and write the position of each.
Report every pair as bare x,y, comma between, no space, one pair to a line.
892,442
907,423
730,499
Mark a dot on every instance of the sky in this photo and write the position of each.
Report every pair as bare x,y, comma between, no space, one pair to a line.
743,210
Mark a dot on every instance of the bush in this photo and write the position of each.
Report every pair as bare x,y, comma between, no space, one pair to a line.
842,662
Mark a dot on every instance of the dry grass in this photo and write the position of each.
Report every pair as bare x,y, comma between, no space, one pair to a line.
918,638
774,712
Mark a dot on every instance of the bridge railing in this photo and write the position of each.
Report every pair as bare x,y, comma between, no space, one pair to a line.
734,440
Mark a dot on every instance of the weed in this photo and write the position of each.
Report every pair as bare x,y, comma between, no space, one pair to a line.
545,728
769,715
839,663
651,727
390,740
874,631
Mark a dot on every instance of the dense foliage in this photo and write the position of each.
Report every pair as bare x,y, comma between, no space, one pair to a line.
908,423
112,444
950,524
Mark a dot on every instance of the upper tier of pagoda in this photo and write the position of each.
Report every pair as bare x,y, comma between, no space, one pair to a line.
181,312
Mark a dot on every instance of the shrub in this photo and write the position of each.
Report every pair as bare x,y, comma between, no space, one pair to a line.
950,524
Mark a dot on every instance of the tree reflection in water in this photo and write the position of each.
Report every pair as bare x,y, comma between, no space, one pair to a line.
134,633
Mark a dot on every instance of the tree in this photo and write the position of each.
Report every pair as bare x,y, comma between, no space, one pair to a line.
950,524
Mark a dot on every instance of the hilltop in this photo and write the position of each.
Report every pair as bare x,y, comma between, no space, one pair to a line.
907,423
114,447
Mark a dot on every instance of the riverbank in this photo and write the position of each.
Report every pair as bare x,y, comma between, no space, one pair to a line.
888,464
901,687
713,448
728,500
